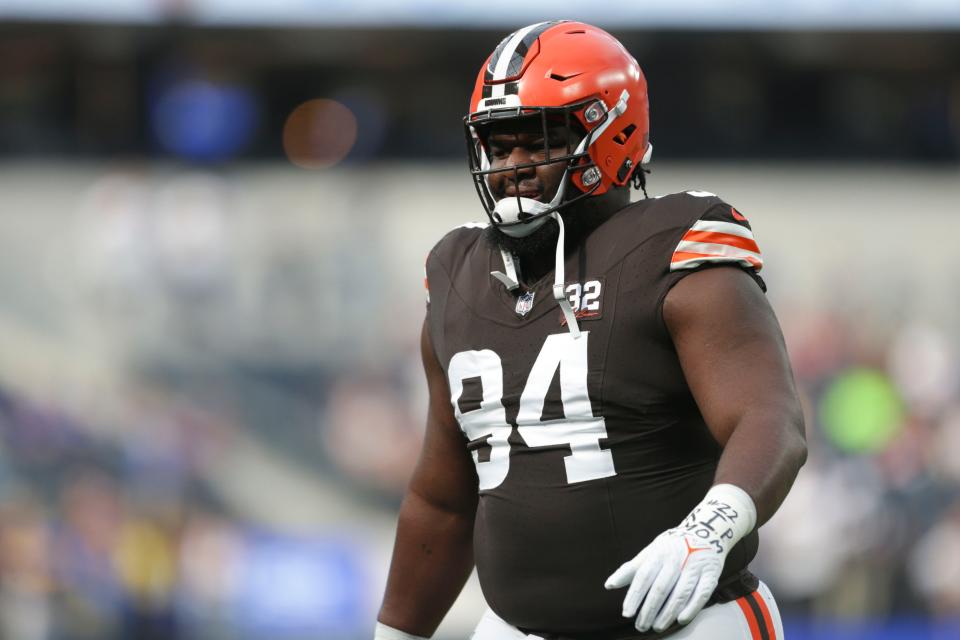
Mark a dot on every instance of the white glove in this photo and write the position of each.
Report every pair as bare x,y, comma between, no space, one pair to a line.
675,574
383,632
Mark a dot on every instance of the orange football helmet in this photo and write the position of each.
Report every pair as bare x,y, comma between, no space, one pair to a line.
562,72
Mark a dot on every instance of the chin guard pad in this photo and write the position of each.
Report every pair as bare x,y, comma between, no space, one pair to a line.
510,211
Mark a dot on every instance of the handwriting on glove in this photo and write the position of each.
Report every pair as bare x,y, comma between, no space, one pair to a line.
674,576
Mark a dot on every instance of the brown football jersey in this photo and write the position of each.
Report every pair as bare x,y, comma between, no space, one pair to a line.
586,449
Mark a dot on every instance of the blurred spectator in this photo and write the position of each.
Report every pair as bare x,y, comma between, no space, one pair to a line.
146,562
364,414
26,580
935,565
86,540
211,555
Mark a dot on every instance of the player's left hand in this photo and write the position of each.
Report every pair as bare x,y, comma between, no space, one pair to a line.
675,575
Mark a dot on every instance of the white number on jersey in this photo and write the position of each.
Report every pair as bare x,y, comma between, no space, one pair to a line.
579,429
490,419
591,296
574,290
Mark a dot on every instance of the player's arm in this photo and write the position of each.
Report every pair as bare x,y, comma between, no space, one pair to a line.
433,551
733,356
735,361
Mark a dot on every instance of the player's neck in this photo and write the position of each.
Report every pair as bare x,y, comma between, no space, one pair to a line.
580,220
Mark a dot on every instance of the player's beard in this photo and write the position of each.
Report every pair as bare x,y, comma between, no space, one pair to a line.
536,251
539,244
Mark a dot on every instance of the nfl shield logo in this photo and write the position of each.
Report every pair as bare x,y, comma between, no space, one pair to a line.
525,303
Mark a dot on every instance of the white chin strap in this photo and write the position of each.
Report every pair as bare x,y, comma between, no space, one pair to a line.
509,279
558,281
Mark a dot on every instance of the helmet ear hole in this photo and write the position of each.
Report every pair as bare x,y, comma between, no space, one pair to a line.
622,137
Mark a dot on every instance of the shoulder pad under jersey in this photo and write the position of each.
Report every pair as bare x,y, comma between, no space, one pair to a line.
720,234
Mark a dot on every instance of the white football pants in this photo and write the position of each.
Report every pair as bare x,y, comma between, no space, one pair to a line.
752,617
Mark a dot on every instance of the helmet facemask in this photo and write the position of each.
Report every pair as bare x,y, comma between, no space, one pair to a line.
518,216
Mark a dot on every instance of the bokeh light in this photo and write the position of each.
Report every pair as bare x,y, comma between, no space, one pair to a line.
204,120
319,133
861,411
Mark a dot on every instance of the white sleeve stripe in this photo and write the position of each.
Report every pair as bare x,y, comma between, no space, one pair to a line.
472,225
722,227
716,250
696,262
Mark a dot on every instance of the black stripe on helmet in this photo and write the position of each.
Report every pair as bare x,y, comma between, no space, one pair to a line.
518,54
488,76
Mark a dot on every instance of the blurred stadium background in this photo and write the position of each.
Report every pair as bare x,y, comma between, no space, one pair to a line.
213,217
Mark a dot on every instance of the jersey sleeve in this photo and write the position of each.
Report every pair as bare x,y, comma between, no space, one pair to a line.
442,264
721,235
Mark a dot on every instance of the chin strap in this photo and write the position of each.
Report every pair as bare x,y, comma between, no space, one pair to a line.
558,281
509,279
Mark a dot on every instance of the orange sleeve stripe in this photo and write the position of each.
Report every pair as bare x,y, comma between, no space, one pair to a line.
680,256
766,615
716,237
751,619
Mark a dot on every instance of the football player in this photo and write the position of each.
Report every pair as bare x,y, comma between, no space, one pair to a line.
612,412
